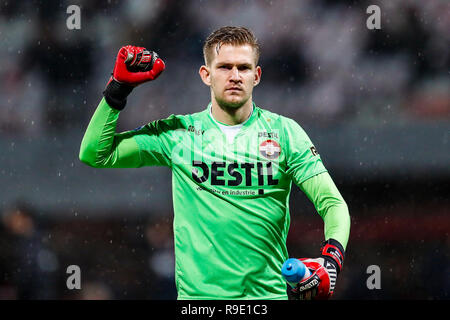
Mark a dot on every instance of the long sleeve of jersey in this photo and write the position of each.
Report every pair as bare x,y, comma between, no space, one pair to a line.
330,205
102,147
305,166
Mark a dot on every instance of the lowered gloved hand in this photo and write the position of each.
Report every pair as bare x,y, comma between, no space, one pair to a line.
324,271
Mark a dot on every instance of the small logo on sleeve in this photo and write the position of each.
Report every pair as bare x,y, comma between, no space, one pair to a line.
314,151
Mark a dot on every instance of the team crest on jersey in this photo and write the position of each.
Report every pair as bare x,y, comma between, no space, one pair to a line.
270,149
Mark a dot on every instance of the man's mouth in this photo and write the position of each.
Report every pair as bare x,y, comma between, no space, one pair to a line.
234,89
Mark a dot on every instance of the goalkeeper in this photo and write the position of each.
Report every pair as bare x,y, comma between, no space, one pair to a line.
232,165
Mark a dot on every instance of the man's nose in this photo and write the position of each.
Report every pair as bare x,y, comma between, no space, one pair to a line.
235,74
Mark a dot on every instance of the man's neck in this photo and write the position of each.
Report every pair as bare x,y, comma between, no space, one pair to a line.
231,116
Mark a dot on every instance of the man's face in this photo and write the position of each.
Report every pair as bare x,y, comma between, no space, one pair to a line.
232,74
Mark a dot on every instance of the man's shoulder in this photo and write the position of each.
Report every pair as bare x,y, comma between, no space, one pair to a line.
196,116
286,126
275,117
190,117
181,119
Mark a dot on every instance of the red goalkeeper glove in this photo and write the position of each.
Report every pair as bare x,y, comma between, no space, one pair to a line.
324,271
134,66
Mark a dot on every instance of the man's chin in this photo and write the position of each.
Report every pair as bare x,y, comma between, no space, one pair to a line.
231,103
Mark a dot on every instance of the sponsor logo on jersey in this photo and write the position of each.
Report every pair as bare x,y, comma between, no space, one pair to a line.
270,149
265,134
239,173
198,132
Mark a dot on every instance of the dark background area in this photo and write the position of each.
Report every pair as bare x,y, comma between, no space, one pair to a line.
375,103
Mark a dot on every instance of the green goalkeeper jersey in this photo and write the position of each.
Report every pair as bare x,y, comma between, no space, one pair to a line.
230,197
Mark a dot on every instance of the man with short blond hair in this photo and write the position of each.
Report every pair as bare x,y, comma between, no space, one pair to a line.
233,165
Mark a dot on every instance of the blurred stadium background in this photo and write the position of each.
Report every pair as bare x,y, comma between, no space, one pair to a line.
375,103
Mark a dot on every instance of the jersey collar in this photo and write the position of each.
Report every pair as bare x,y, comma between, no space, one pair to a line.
243,125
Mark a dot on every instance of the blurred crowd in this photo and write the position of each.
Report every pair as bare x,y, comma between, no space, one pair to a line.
319,60
129,258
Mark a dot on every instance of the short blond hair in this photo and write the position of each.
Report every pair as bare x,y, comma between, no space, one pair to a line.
230,35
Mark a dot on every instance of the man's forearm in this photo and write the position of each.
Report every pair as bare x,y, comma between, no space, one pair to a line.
101,147
330,205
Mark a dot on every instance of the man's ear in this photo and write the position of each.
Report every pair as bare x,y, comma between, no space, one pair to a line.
205,75
258,72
